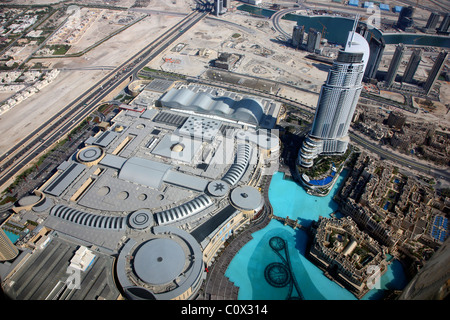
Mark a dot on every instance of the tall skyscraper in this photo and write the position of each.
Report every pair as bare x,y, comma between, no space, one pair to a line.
435,71
412,66
218,7
445,24
313,42
395,63
405,19
8,250
432,22
297,36
376,53
337,102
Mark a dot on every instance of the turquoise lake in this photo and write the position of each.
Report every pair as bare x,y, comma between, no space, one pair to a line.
248,269
336,29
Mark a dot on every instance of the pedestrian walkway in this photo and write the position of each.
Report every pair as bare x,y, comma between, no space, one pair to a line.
217,286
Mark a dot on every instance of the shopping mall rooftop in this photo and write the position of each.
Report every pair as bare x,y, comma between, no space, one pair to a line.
163,187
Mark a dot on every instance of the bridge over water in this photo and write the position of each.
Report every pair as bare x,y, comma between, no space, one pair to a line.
290,222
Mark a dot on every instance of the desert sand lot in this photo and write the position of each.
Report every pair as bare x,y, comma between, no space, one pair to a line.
69,84
263,55
253,38
284,64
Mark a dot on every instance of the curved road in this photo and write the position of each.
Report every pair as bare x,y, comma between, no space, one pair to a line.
279,14
19,156
401,160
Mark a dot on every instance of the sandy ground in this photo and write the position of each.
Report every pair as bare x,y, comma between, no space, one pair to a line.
249,37
256,35
26,116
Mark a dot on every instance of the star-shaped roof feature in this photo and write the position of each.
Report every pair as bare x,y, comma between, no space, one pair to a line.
219,186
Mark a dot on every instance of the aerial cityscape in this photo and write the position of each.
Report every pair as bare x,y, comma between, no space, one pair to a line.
204,150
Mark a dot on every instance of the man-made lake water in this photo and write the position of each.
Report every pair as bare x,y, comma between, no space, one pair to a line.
263,272
337,28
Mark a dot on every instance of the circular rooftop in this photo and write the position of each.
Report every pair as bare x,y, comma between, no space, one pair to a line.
159,261
247,198
178,147
29,200
218,188
140,219
90,154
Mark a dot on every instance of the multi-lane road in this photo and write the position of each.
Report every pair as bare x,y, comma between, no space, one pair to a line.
50,132
44,137
400,159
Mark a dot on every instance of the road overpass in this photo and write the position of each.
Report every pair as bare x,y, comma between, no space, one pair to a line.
41,140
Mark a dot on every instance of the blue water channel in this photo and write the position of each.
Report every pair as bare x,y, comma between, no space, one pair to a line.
336,29
251,267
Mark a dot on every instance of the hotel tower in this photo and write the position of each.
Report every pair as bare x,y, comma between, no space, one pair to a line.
337,102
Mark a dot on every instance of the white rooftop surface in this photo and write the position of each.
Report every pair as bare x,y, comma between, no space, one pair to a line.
262,138
143,171
113,161
82,258
200,127
159,261
186,181
166,148
115,195
246,197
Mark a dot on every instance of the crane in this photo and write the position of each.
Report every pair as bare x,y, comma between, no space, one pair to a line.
323,29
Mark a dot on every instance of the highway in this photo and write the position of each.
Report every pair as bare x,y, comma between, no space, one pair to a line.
44,137
279,14
400,160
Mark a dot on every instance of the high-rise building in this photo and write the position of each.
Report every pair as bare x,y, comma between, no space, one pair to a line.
435,72
445,24
432,22
8,250
297,36
218,7
314,38
396,120
376,47
405,19
395,63
337,102
412,66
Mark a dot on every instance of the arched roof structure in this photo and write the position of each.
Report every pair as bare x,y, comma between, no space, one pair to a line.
246,110
185,210
88,219
237,169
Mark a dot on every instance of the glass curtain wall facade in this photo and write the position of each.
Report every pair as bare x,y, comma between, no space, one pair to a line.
337,102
